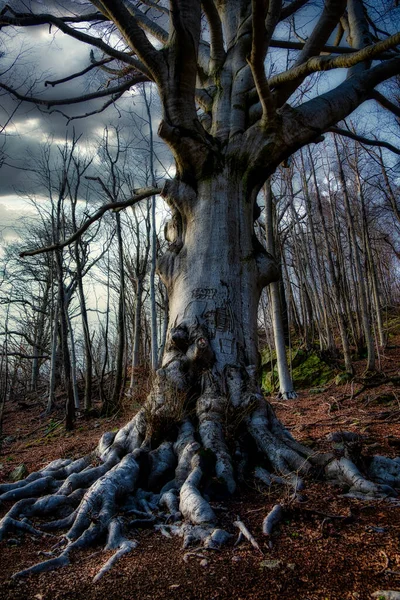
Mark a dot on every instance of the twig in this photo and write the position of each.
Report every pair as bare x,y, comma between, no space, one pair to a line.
387,562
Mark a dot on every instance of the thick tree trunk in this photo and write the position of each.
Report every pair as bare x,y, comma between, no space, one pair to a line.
214,273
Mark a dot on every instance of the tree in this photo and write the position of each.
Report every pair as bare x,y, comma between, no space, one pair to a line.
228,126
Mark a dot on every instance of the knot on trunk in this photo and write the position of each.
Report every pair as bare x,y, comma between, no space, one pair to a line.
191,340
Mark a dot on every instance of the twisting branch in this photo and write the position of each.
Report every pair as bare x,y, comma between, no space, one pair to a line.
112,91
79,73
148,25
290,9
135,36
327,63
217,53
383,101
114,206
263,11
364,140
26,20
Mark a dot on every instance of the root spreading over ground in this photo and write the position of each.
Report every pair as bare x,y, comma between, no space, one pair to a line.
164,470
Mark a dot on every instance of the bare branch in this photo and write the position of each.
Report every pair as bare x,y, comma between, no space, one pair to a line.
327,63
102,108
135,36
363,140
119,89
156,6
27,356
328,20
319,114
261,14
148,25
30,341
339,35
290,45
288,11
23,20
217,54
79,73
383,101
114,206
27,19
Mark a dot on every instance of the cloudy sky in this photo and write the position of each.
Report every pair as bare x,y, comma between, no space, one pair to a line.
31,56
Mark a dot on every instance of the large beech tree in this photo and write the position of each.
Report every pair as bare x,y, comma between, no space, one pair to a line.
228,125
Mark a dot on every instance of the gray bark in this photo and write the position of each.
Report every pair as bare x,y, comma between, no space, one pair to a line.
286,387
357,265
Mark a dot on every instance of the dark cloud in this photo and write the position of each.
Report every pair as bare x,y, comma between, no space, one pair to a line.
31,56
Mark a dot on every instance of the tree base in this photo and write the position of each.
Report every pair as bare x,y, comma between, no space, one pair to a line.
141,478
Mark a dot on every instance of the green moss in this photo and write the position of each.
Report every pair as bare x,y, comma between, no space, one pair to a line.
393,326
309,371
343,378
384,399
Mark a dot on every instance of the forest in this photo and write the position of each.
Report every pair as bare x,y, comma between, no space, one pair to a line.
200,299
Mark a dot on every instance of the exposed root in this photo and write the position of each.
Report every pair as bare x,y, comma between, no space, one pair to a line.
387,595
162,473
345,471
385,471
116,541
192,505
272,519
246,533
288,395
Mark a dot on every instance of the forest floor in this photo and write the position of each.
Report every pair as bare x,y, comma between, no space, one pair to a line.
329,547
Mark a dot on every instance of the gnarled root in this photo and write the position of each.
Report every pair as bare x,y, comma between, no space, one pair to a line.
163,471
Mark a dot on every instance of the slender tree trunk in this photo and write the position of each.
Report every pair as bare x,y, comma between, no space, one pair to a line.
330,342
104,395
357,265
286,388
66,359
53,358
153,307
333,278
87,402
136,333
73,365
371,266
119,366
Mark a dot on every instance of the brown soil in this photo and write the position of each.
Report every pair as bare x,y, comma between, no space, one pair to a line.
316,555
